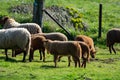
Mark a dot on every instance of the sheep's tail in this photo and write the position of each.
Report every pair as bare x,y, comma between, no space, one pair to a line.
28,45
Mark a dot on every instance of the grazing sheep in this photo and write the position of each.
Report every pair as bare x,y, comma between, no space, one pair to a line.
36,44
15,38
64,48
113,36
8,22
85,53
52,36
89,41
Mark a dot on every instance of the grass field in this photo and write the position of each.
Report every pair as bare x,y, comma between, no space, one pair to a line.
104,67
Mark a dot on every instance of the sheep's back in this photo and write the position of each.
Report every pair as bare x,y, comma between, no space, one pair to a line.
113,36
33,28
54,36
14,38
64,47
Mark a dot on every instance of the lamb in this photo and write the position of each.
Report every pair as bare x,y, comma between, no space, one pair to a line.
15,38
112,38
8,22
36,44
64,48
89,41
85,53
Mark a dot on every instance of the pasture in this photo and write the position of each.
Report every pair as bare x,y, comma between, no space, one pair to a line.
103,67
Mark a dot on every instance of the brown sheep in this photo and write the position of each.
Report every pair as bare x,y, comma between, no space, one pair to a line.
52,36
112,38
85,53
64,48
36,44
88,41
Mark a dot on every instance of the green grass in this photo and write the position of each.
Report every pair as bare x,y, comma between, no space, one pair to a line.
105,67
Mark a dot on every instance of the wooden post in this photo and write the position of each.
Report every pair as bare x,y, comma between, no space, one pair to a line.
100,21
38,11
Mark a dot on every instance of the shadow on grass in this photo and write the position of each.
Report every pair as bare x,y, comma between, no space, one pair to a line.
47,66
9,59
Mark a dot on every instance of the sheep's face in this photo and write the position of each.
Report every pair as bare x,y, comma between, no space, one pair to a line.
92,54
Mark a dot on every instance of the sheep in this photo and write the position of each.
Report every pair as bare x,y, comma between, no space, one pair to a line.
89,41
112,37
64,48
15,38
36,44
8,22
85,53
52,36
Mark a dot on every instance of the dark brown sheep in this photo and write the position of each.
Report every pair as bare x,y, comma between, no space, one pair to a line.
113,36
89,42
64,48
36,44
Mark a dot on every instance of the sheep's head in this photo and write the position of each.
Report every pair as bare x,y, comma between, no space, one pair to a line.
92,53
3,20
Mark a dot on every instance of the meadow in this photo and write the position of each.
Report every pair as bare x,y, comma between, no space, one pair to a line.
105,66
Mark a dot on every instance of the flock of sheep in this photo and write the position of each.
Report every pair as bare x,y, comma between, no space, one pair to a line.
28,37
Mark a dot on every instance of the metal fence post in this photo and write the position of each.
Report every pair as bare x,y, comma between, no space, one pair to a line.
100,21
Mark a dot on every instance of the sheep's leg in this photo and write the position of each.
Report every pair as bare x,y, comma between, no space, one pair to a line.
13,53
75,61
40,54
55,60
43,51
113,49
110,49
59,58
69,60
24,56
6,54
78,60
84,63
31,55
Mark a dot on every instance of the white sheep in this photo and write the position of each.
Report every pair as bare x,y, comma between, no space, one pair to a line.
8,22
15,38
64,48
